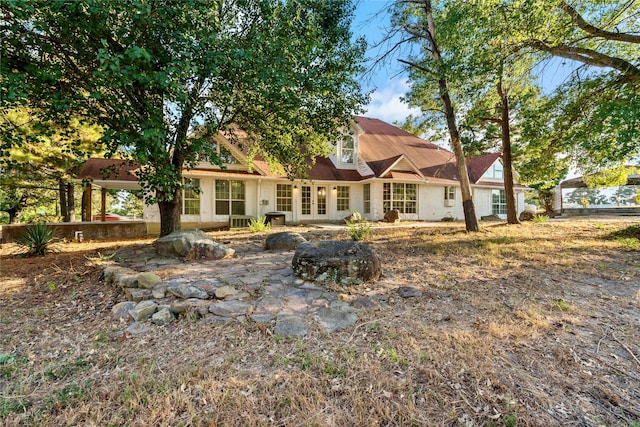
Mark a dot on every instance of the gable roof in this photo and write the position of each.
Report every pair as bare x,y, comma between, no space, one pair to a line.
478,166
109,170
390,153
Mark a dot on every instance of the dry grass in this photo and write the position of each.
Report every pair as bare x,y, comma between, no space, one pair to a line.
530,325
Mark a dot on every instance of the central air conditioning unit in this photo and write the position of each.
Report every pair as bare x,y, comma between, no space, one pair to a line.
449,202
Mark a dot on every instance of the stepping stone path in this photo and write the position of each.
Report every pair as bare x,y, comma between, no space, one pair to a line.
257,285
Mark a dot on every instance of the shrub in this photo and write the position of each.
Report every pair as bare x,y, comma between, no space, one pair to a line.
539,219
359,231
37,240
259,224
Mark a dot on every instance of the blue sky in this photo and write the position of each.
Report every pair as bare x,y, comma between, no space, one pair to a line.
387,81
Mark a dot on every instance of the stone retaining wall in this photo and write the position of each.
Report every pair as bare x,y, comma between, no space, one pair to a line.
90,230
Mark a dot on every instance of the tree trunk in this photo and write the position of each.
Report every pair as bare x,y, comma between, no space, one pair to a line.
170,213
15,211
71,202
86,203
63,200
512,208
470,218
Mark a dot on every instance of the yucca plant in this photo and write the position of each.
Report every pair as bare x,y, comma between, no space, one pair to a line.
259,224
37,240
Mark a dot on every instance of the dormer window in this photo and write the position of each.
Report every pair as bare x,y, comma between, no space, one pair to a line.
496,171
346,150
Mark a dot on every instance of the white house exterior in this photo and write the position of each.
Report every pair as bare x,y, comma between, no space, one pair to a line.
377,168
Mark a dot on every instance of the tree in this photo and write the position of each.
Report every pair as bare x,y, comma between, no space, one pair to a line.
429,72
162,79
45,157
594,117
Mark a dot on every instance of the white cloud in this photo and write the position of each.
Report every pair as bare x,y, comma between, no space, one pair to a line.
386,104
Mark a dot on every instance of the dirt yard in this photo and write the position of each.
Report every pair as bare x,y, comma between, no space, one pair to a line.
531,325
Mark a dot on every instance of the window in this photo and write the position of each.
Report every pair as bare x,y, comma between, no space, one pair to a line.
230,197
498,202
402,197
496,170
306,200
347,150
366,198
343,198
449,193
283,198
191,197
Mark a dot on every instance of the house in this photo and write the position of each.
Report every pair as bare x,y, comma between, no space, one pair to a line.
374,168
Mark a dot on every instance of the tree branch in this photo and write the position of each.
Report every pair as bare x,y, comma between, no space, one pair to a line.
598,32
417,66
588,56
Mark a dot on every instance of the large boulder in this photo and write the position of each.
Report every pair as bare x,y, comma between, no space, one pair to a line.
284,241
191,244
526,216
392,216
338,261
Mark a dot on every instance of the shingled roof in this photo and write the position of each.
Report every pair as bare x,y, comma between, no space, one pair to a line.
381,146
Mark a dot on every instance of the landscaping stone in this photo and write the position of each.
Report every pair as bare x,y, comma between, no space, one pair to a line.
354,217
526,216
121,310
136,328
191,244
137,294
409,292
284,241
112,273
492,217
392,216
147,280
290,325
336,261
162,317
143,310
184,290
229,308
189,305
159,290
335,320
262,318
225,291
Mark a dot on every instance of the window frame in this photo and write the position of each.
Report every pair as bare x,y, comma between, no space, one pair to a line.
231,199
190,196
449,193
343,198
498,207
284,197
396,196
350,152
366,198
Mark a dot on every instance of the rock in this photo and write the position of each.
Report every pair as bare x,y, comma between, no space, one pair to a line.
354,217
284,241
363,303
147,280
159,290
290,325
335,320
225,291
163,317
137,294
392,216
121,310
262,318
127,281
492,217
230,308
143,310
191,305
409,292
191,244
185,290
112,273
526,216
344,262
212,319
136,328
